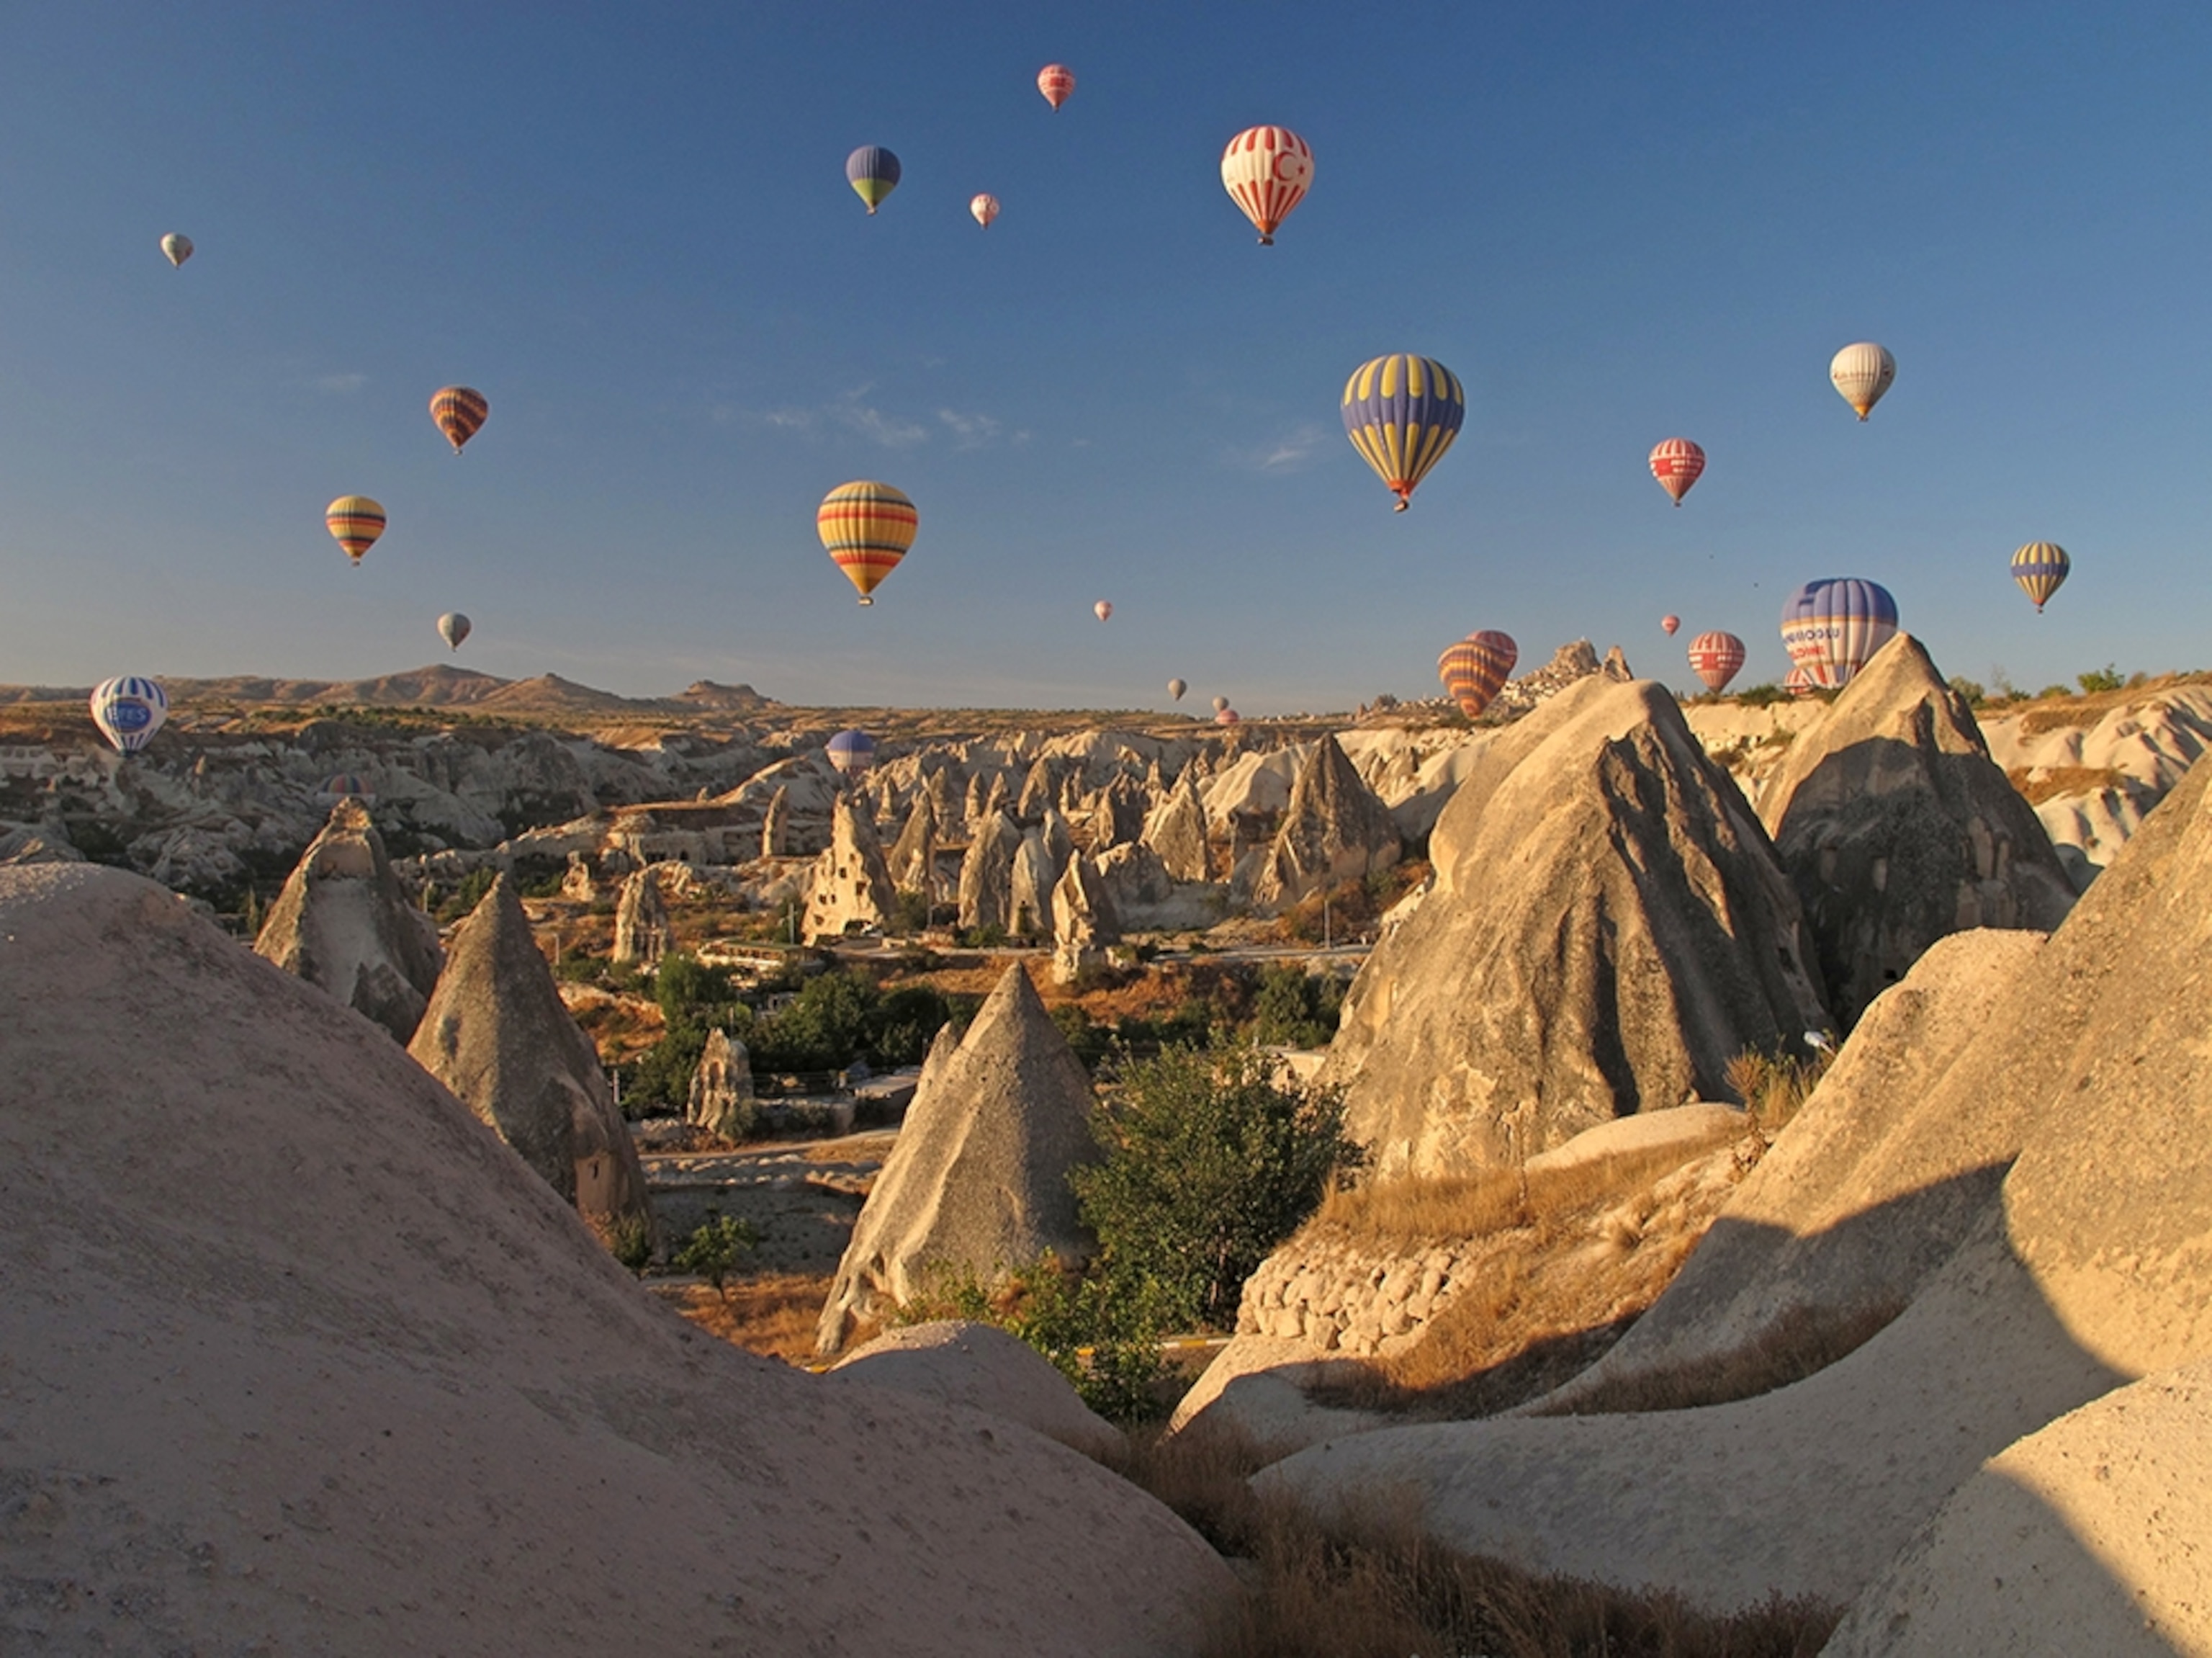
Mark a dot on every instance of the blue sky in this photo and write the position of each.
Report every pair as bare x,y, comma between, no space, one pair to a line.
629,225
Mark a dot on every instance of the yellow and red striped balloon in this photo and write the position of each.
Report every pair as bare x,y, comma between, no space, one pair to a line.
356,521
867,528
461,412
1677,464
1266,171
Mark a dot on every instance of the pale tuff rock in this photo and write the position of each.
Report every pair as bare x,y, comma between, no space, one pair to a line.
1569,663
1030,887
971,812
983,1369
775,825
40,842
945,807
496,1034
1117,814
1059,839
850,887
977,1180
1615,666
1083,921
344,923
1134,881
1333,829
721,1099
576,883
643,933
285,1328
1897,827
913,861
998,801
987,875
1176,831
1040,792
1645,938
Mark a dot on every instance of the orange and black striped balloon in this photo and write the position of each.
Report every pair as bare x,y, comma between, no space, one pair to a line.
867,528
461,412
356,521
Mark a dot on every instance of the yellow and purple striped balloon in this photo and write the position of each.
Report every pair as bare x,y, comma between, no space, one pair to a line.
867,528
356,521
1474,669
461,412
1401,413
2040,568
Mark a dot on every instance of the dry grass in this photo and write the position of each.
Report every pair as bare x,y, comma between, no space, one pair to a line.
1803,1340
2067,713
773,1314
2038,784
1366,1583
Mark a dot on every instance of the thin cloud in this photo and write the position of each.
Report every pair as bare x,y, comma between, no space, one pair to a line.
977,431
854,413
1291,453
342,385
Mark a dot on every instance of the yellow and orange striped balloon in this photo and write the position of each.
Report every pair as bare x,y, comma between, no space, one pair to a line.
356,521
866,528
461,412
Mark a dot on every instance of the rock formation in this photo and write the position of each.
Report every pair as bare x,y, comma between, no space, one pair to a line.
1176,831
344,923
642,932
775,825
1645,938
1040,791
1083,921
1059,839
1117,814
1030,887
1897,827
721,1098
977,1180
985,1370
912,864
850,884
987,875
299,1359
576,883
1334,830
495,1032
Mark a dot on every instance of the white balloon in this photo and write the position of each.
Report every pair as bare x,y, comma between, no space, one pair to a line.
1862,373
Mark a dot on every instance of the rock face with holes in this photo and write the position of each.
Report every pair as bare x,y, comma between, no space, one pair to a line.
721,1098
496,1034
643,933
850,887
356,1382
1897,827
1333,829
977,1181
1646,937
345,924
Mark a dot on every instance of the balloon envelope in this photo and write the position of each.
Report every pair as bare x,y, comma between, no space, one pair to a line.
1831,627
1102,610
1677,464
1220,703
867,528
1473,668
1670,625
1862,373
452,628
1799,683
356,521
985,207
851,752
461,412
873,173
129,709
348,785
2040,567
1227,717
1716,658
177,248
1175,688
1401,413
1055,81
1266,171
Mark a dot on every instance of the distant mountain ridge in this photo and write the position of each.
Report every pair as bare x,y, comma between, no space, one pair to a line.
440,685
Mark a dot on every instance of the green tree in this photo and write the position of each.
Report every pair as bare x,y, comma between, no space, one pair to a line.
1209,1164
1295,1009
714,1250
904,1023
683,986
826,1027
2106,678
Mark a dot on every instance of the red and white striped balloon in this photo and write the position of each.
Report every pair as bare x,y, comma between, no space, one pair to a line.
1716,658
985,207
1266,171
1055,81
1677,464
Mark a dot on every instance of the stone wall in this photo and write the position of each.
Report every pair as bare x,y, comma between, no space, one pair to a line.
1336,1297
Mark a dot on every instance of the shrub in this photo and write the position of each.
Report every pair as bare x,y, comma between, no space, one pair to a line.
714,1250
1295,1009
2106,678
1761,696
1973,690
1208,1165
470,893
904,1024
683,986
629,1240
1091,1042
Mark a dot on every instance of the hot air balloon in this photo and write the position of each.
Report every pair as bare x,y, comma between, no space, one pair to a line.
1670,625
460,411
1863,373
1716,658
452,628
1227,717
1220,703
1832,626
1475,668
129,709
1055,81
2040,568
356,521
1266,171
1798,682
347,785
1402,413
1677,464
873,172
177,248
1102,610
985,207
867,528
851,752
1175,688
